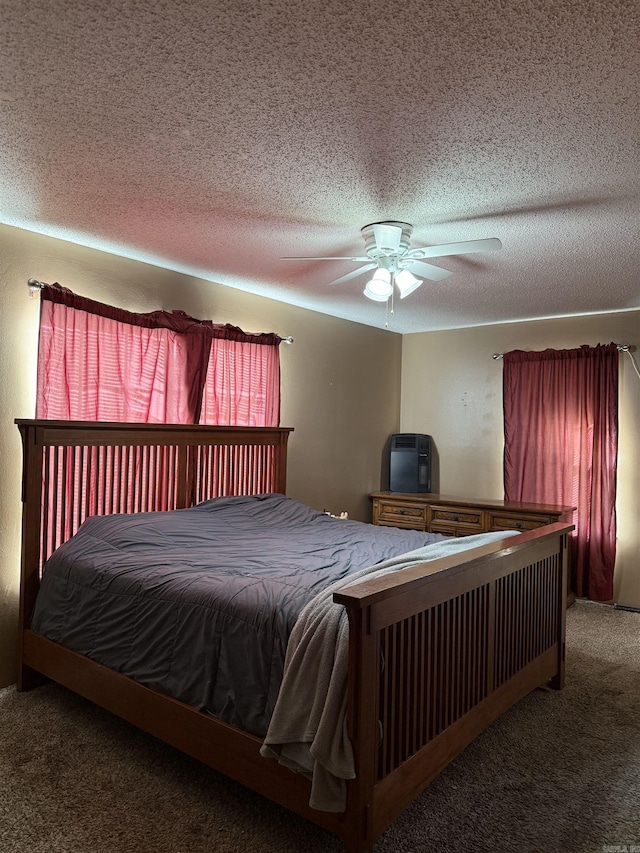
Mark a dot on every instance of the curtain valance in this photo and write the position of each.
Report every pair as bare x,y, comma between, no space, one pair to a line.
97,362
176,321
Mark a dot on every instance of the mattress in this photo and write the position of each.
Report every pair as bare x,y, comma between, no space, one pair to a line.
199,603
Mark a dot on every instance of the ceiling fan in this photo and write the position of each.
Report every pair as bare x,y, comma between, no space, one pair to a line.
386,246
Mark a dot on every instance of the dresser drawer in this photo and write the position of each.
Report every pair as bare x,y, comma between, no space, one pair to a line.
510,521
465,520
400,514
449,530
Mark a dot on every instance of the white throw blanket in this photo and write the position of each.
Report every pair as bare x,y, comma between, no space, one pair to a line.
308,729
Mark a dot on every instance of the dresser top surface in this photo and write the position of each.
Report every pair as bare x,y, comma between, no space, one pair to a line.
450,500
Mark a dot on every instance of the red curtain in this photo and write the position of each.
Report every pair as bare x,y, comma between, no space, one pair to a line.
100,363
561,447
242,385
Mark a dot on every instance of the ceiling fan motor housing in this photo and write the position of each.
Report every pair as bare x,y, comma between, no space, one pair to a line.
376,246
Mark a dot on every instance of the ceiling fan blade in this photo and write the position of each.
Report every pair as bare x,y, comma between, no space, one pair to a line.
429,271
465,247
354,273
338,258
387,237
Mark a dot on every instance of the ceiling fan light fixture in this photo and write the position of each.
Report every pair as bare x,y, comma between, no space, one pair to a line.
379,288
407,283
377,297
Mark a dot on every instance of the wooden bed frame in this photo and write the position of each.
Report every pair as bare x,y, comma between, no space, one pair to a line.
436,652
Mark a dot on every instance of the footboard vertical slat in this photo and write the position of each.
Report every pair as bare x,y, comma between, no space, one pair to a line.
529,621
468,681
486,607
408,685
435,669
433,685
442,662
460,670
388,706
394,669
473,643
382,766
456,672
419,686
438,661
425,674
445,702
516,623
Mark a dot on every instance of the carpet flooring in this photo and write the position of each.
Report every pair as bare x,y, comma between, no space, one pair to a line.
559,772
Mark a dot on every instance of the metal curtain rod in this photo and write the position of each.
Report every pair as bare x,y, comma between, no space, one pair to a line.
34,285
621,348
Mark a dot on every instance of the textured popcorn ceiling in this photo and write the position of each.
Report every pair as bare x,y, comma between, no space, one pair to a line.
216,137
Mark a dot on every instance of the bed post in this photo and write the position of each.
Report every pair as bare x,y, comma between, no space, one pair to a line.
280,463
30,554
363,688
557,682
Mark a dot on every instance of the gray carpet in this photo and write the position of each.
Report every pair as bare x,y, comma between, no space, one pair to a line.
560,772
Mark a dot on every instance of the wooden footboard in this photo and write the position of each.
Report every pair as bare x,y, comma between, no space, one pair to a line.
436,652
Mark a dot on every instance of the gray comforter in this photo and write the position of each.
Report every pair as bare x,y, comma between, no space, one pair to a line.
199,603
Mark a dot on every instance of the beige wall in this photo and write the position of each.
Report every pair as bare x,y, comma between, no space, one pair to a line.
340,381
452,390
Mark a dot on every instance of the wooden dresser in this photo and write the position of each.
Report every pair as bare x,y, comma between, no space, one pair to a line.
461,516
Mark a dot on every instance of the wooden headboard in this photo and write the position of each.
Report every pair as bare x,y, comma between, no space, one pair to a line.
76,469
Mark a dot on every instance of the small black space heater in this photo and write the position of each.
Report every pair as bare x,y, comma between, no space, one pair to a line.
410,463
